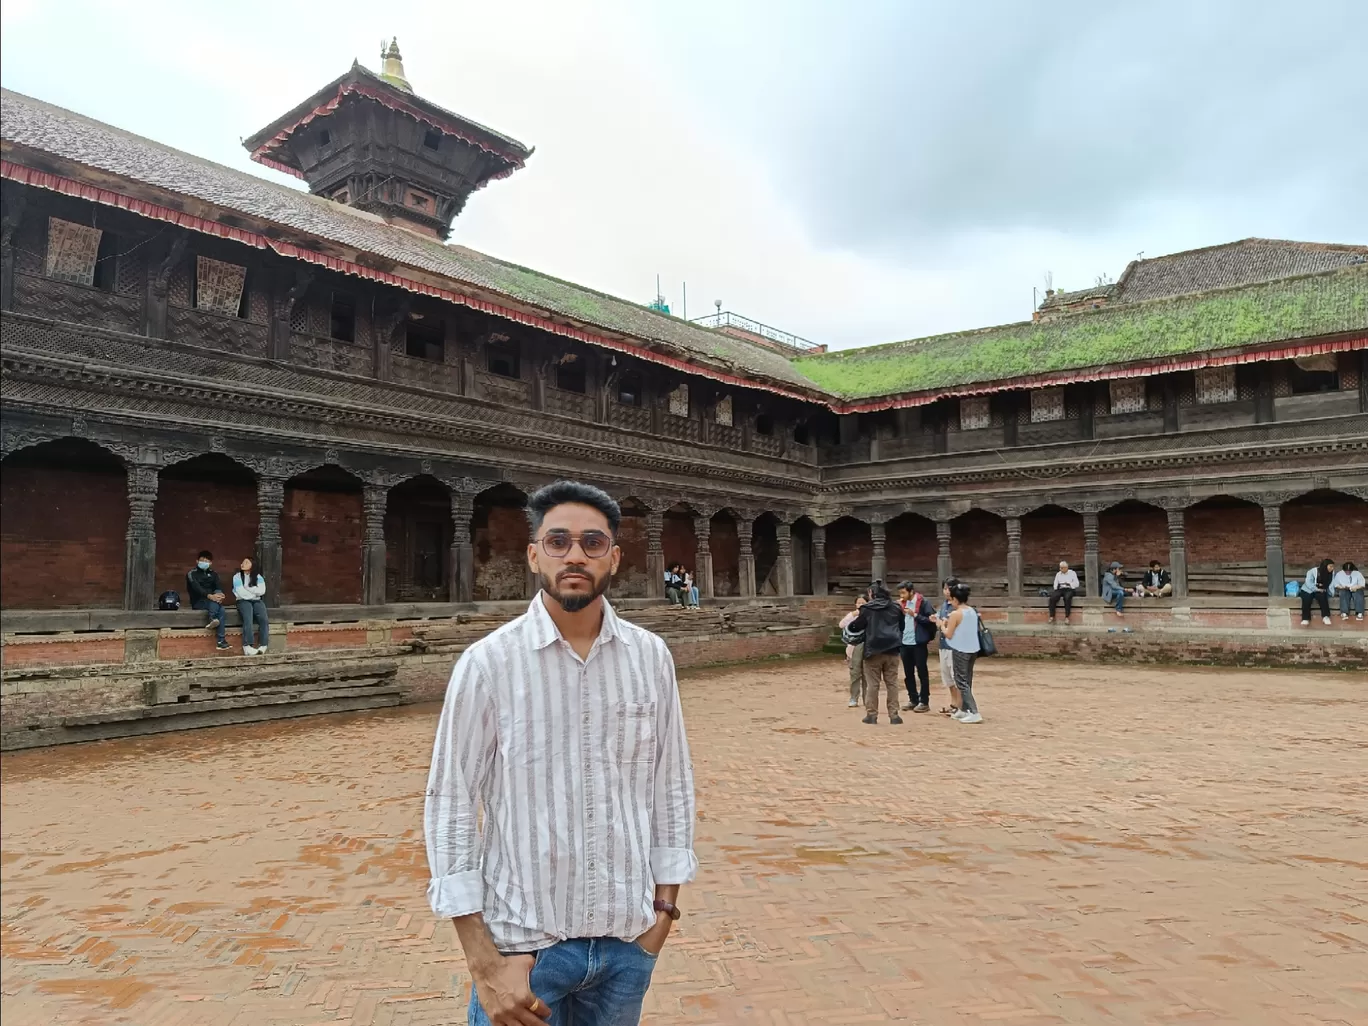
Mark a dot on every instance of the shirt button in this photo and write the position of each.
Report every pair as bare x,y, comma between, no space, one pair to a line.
591,915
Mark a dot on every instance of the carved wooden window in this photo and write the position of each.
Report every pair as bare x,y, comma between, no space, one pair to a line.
764,424
571,377
72,251
432,139
420,201
629,390
342,323
975,413
1127,395
219,286
425,340
722,412
679,401
1047,404
503,361
1314,374
1215,385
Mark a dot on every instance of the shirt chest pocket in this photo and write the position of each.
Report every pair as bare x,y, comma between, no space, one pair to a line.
631,735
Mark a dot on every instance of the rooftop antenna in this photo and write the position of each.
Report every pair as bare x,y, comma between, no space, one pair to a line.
685,301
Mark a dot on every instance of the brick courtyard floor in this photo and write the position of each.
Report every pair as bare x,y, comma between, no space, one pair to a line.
1098,851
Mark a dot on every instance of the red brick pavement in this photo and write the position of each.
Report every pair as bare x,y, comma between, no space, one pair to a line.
1100,850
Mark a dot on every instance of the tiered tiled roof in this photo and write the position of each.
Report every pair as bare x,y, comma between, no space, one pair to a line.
1246,262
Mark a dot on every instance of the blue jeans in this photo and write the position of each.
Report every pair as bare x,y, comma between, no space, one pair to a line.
598,982
1117,597
215,612
1351,601
693,596
254,612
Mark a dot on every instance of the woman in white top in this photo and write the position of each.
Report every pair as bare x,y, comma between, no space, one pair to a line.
961,634
249,588
1348,584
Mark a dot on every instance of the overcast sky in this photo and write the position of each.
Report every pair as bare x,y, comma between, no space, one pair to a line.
854,173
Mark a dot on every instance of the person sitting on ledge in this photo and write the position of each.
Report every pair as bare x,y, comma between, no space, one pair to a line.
1348,585
1065,584
206,593
690,591
249,588
1317,589
1157,581
1113,591
674,584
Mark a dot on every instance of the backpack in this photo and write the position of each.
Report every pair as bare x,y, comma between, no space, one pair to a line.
852,637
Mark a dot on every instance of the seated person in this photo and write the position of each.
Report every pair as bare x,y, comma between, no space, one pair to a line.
690,590
1157,581
674,585
249,588
1065,584
206,593
1348,585
1113,591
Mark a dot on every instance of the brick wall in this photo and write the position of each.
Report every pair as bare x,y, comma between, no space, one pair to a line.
849,550
978,550
726,555
677,538
1046,538
321,538
1224,534
630,581
1334,528
910,549
501,554
62,537
195,514
1134,534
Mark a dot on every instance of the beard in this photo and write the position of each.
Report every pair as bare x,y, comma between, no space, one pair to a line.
573,602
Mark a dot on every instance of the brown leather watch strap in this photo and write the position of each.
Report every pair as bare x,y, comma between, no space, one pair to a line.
670,910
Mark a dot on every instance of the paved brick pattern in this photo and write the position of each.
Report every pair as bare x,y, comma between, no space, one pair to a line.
1102,850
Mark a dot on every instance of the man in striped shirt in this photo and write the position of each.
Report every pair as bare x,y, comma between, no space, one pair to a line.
560,805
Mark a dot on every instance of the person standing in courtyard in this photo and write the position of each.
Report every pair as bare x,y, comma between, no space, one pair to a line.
918,630
206,593
881,622
854,643
943,651
560,805
1065,587
249,588
1348,586
1316,588
962,634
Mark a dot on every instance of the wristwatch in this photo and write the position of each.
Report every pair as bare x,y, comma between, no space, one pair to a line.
670,910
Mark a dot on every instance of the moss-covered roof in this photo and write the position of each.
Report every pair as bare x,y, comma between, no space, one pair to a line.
1305,307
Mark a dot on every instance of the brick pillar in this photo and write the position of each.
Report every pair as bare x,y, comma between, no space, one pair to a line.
373,502
1092,563
655,555
461,574
820,585
270,499
1178,552
745,571
703,562
783,534
878,565
1013,557
1273,548
944,568
140,551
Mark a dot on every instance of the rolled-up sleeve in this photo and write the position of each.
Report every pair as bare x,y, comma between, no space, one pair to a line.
672,815
461,757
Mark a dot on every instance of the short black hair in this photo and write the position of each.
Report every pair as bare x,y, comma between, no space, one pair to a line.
205,554
544,500
1155,562
908,587
959,592
878,591
949,582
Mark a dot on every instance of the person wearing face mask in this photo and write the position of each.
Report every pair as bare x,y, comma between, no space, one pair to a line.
206,593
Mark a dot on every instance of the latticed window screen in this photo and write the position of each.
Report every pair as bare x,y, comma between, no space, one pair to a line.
1047,404
679,401
1127,395
1215,385
71,251
974,413
218,286
723,412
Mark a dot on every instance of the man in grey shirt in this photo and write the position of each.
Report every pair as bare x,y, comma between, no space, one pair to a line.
560,805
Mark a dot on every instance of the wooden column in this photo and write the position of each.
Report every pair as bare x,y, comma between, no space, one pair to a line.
655,555
374,500
159,286
1273,546
745,572
783,534
270,499
12,214
820,585
1092,563
878,564
1013,556
140,545
703,561
1178,551
944,568
461,574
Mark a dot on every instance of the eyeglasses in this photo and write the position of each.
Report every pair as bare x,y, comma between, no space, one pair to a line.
594,544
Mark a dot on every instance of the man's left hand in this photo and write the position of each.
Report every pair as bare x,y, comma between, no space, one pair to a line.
653,940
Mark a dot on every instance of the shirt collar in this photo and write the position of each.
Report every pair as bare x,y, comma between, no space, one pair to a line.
545,632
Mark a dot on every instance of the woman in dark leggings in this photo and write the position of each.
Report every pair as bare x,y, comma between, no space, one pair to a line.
1316,589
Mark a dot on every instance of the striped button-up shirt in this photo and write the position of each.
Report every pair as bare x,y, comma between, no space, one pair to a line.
561,790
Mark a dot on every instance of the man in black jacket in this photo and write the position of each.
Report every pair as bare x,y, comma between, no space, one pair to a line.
206,593
1157,581
918,630
881,620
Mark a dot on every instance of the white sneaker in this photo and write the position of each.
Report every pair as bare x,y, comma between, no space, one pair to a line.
852,704
1306,623
261,650
1325,620
958,714
971,718
248,650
